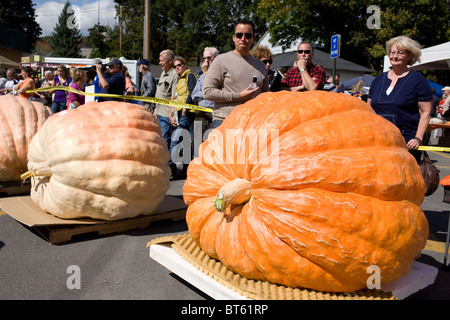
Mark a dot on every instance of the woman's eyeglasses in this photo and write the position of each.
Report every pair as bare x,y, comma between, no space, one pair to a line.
399,53
267,61
239,35
178,65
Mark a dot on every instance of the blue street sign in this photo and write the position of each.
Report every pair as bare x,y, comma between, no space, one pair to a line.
335,46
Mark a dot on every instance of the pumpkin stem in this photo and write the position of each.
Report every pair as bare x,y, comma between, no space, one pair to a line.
26,175
41,169
237,191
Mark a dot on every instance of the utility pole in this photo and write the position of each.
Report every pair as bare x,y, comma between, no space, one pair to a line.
147,37
120,31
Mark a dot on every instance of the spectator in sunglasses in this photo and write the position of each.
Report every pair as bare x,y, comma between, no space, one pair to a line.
263,54
209,54
182,121
229,78
306,75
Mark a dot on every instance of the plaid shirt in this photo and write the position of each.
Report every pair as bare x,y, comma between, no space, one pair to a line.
294,78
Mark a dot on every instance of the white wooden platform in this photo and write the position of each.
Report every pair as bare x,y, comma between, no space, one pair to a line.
420,276
167,257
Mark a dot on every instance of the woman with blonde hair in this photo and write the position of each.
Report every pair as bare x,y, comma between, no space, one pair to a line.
402,95
79,79
182,120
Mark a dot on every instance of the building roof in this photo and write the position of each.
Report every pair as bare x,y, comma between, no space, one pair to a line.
7,63
286,59
276,48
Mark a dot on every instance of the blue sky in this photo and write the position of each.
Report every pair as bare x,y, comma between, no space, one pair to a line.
86,12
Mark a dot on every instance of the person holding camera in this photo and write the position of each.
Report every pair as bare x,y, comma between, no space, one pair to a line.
95,82
228,82
115,83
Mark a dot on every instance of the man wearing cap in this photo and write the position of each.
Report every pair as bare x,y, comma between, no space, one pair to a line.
115,84
148,83
97,87
166,89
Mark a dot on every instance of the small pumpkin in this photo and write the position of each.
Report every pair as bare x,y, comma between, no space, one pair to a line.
331,193
20,120
102,160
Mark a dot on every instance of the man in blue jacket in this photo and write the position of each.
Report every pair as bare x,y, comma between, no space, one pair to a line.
115,84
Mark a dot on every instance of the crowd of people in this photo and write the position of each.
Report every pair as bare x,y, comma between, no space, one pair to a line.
226,80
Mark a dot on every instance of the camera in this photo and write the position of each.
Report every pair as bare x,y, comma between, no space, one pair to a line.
254,82
94,67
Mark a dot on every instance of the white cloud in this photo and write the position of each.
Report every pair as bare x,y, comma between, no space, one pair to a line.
86,15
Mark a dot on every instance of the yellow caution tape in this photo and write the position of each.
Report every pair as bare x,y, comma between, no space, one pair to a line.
431,148
177,105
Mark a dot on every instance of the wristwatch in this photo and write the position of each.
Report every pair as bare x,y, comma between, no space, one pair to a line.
418,140
301,70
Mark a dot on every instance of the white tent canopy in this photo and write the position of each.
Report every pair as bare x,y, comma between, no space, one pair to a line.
432,58
276,48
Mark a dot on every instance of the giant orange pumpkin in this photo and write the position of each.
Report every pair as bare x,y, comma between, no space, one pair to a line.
102,160
307,190
20,119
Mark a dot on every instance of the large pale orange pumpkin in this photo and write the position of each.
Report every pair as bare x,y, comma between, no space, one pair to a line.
102,160
307,190
20,119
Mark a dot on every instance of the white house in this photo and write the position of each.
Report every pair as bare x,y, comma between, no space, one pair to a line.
284,58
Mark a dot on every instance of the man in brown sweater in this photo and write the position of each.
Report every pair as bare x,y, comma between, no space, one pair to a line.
228,81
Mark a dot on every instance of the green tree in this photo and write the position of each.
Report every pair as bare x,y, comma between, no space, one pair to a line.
186,26
66,37
317,20
19,15
98,41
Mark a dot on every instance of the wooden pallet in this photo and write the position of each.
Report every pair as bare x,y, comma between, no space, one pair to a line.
14,188
60,234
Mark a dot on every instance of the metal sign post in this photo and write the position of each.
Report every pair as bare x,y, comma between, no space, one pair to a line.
335,52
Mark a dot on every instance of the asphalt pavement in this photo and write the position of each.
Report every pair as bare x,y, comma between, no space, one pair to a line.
118,266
